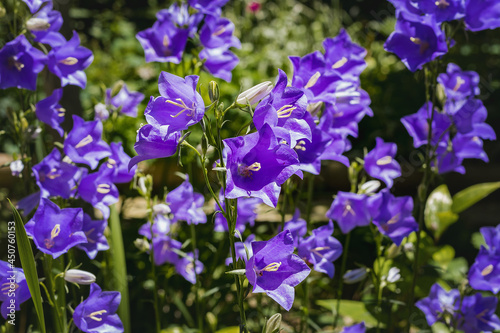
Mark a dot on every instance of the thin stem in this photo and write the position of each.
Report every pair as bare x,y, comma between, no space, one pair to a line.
56,316
341,276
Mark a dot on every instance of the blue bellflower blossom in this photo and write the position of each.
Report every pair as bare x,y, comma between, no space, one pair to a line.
439,304
84,143
186,205
357,328
443,10
406,6
380,163
479,314
247,213
188,267
97,313
56,230
96,240
163,247
34,5
459,84
118,162
219,62
179,105
127,100
297,227
485,272
14,289
45,26
482,14
98,189
275,270
209,7
20,64
180,16
49,111
218,32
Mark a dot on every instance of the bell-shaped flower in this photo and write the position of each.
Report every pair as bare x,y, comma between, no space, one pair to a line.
20,64
189,267
14,290
219,62
380,162
247,213
34,5
352,210
439,304
484,274
179,15
466,114
84,143
55,177
257,165
126,100
118,162
478,314
163,247
96,240
69,60
179,105
443,10
97,313
186,205
459,84
56,230
321,249
45,26
154,142
395,219
98,189
416,40
482,15
49,111
218,32
275,270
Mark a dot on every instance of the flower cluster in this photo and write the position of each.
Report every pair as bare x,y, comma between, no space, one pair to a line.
484,273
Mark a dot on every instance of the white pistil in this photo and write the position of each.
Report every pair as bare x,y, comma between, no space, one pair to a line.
94,315
111,163
166,41
6,287
300,145
219,31
423,44
459,83
394,219
487,270
61,112
348,210
312,81
180,103
53,174
285,111
13,61
384,160
103,188
340,63
246,171
85,141
53,234
69,61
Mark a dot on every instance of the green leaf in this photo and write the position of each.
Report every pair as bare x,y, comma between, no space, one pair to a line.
477,240
438,214
352,309
466,198
444,256
28,265
232,329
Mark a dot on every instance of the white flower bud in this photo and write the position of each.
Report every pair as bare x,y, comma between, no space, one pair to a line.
255,94
37,24
355,275
162,209
370,187
16,167
142,244
393,275
79,277
101,112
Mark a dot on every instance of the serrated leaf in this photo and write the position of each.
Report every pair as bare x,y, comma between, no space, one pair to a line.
438,215
28,265
466,198
353,309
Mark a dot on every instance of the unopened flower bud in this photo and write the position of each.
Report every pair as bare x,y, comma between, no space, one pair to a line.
101,112
393,275
79,277
162,209
142,244
213,91
355,275
254,94
369,187
16,167
37,24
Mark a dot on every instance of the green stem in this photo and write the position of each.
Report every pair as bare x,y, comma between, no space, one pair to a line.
197,281
61,292
49,281
153,265
341,276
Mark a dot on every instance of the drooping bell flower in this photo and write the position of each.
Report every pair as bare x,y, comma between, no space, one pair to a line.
482,14
127,100
118,162
241,252
96,240
179,105
218,32
14,289
275,270
34,5
97,313
20,64
189,266
478,314
440,304
297,227
352,210
219,62
56,230
209,7
84,143
163,247
49,111
443,10
69,60
416,40
186,205
459,84
380,162
45,26
55,177
394,218
98,189
247,213
257,165
154,142
321,249
466,114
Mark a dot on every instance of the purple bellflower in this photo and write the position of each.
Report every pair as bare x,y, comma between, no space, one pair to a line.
380,162
321,249
49,111
118,162
218,32
94,231
189,267
416,40
479,314
186,205
84,144
275,270
443,10
163,247
14,289
247,213
179,105
257,165
56,230
219,62
482,14
459,84
210,7
55,177
241,253
127,100
68,61
484,274
98,189
358,328
34,5
97,313
154,142
439,304
45,26
180,16
20,64
395,219
352,210
297,227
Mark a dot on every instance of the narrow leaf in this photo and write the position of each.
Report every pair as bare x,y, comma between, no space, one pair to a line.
466,198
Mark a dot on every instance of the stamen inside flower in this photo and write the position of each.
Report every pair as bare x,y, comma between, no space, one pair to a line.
53,234
394,219
312,81
320,248
487,270
166,41
94,315
111,163
442,4
348,210
424,45
180,103
459,83
384,160
340,63
246,170
87,233
61,112
300,145
285,111
14,62
85,141
219,31
103,188
53,174
69,61
6,287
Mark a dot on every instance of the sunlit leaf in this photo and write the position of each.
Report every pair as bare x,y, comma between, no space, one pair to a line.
466,198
